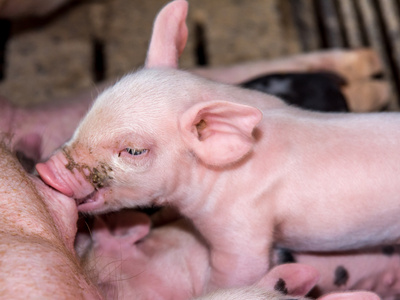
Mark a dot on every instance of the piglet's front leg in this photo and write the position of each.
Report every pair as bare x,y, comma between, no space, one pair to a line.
246,259
229,269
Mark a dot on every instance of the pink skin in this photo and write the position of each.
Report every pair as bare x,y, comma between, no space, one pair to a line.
132,266
38,227
126,151
134,263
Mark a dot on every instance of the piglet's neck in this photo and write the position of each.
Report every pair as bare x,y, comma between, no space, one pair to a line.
197,189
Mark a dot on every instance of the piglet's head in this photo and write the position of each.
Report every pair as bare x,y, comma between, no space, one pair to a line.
141,145
145,136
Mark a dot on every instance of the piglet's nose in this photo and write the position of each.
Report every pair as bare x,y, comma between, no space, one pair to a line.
49,177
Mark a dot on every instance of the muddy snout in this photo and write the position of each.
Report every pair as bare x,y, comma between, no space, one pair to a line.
71,178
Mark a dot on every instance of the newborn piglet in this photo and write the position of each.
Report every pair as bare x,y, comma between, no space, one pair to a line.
244,166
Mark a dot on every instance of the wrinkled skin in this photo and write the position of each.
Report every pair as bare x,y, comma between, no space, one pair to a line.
126,151
38,227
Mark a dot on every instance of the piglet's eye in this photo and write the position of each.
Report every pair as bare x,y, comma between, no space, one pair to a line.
135,152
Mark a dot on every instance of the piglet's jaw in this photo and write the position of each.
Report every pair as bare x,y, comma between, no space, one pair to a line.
69,182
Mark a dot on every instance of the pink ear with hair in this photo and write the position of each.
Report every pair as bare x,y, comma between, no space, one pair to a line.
169,36
121,230
219,132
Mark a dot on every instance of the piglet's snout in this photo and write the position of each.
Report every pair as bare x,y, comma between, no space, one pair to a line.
69,182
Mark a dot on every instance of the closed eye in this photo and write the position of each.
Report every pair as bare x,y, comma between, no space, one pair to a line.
134,151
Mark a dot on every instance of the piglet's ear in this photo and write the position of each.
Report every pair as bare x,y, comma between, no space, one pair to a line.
219,132
169,36
121,230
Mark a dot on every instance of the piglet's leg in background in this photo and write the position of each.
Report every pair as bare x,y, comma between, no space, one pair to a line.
374,269
351,64
358,67
38,227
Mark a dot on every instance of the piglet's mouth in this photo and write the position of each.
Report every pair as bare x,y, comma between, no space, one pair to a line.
92,201
87,199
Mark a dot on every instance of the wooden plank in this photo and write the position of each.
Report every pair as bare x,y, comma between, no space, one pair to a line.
331,25
127,33
350,24
245,30
234,31
304,18
392,26
376,40
46,62
290,34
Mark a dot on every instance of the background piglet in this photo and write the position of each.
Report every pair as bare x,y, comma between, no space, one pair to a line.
358,67
126,150
375,269
319,91
172,262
